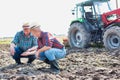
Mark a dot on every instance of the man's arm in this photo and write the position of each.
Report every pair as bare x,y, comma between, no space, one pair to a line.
42,50
47,44
28,53
12,48
32,49
36,52
13,44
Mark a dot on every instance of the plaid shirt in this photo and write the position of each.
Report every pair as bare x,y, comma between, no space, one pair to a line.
47,39
24,42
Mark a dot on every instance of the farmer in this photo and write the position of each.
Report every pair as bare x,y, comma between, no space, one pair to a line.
49,48
24,44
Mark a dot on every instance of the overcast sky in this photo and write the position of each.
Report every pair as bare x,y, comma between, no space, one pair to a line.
53,15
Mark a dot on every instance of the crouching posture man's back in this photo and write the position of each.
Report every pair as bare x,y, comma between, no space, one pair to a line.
49,48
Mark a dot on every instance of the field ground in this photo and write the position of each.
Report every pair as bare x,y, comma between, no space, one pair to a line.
79,64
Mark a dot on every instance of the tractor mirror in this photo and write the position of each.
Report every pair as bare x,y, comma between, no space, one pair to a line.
73,12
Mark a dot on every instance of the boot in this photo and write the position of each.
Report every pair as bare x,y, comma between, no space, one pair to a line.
54,67
30,60
47,61
18,62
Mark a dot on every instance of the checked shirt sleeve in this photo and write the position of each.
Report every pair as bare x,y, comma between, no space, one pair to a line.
16,38
47,40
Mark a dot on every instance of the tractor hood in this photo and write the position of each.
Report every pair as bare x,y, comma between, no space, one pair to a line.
111,17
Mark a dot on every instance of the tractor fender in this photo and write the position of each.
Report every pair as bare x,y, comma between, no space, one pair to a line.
111,25
87,26
74,22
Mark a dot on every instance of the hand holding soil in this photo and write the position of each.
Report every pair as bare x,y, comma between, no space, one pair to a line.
28,53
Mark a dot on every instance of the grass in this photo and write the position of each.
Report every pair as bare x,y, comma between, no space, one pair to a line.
8,40
60,38
5,40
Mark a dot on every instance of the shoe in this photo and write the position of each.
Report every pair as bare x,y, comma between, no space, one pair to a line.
47,61
54,67
20,63
30,60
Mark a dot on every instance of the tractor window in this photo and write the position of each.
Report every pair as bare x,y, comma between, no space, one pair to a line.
87,8
101,7
79,12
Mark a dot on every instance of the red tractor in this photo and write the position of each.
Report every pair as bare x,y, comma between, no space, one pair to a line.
95,23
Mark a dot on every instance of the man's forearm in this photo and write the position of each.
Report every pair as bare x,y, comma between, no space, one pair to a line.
12,45
28,53
44,49
33,48
32,52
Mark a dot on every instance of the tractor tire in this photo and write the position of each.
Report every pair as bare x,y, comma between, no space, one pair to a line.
111,38
78,36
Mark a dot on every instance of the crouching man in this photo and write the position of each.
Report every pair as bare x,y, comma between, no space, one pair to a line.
24,44
49,48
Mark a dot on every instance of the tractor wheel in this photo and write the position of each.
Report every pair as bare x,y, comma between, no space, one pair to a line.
78,36
111,38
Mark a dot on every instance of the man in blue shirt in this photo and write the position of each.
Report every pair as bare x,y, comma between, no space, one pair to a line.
24,44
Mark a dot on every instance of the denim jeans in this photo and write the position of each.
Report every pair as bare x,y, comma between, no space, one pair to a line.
53,54
17,55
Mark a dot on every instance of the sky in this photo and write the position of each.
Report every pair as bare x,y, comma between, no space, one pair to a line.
53,15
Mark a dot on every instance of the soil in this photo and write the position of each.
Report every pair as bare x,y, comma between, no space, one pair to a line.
79,64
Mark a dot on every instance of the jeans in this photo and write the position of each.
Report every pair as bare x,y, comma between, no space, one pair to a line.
53,54
17,55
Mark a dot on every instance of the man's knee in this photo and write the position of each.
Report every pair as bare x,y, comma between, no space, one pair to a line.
48,52
17,53
15,56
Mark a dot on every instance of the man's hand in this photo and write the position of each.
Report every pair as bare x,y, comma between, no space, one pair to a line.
32,49
37,54
25,54
28,50
12,51
41,50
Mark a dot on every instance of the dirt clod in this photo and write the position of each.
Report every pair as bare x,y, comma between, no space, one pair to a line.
79,64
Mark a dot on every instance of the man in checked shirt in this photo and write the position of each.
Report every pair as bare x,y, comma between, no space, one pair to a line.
49,48
24,44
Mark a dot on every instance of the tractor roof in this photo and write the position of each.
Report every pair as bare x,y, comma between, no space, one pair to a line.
90,2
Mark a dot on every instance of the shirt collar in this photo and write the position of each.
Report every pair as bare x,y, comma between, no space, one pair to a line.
26,36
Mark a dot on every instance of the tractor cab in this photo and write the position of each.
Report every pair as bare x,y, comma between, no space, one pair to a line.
91,10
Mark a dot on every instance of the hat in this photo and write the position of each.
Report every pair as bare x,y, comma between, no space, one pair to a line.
34,25
26,25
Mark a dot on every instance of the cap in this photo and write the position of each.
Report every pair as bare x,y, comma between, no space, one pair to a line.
26,25
34,25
